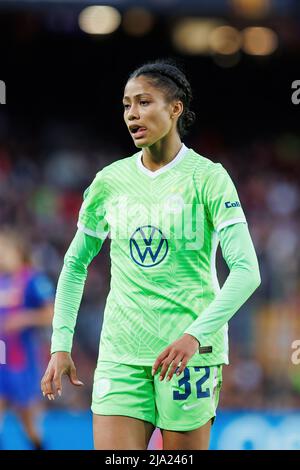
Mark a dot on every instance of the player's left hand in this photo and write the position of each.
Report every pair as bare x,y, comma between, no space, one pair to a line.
180,351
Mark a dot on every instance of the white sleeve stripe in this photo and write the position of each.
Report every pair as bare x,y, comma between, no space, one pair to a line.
231,222
91,232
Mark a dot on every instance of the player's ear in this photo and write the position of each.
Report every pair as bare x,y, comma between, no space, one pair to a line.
176,109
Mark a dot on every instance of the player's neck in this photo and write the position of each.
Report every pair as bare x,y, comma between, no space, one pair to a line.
160,154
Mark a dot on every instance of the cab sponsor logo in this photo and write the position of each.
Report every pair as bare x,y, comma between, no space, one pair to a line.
229,204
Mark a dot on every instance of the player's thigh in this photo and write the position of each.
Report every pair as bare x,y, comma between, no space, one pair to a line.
121,433
198,439
186,405
123,405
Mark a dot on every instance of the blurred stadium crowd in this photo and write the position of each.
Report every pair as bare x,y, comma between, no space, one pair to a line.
43,174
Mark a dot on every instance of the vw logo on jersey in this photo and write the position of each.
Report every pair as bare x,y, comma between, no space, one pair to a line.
148,246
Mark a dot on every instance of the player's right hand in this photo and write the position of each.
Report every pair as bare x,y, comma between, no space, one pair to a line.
60,363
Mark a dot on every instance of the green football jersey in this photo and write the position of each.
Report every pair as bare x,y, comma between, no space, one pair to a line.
164,228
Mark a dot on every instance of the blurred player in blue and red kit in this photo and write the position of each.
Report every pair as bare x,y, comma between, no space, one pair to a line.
26,305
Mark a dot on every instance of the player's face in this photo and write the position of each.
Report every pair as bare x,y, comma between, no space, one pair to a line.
10,259
146,112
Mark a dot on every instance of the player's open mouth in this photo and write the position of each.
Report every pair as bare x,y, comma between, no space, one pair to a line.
138,131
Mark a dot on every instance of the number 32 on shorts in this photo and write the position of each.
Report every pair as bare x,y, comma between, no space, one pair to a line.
199,384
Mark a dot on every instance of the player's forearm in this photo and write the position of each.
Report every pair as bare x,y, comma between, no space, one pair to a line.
69,292
244,278
70,289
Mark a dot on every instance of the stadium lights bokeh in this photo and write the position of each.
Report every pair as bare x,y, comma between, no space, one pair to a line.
251,9
137,21
99,19
225,40
198,36
191,35
259,41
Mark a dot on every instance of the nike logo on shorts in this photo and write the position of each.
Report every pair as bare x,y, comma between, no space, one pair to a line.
186,407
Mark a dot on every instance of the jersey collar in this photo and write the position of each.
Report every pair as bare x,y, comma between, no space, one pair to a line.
164,168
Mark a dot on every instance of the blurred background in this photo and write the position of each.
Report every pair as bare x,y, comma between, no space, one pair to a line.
63,68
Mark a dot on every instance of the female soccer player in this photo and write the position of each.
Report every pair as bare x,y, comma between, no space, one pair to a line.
164,336
26,304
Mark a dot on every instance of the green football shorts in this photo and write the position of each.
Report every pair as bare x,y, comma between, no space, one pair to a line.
186,402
